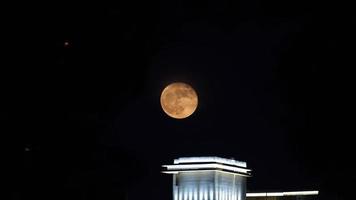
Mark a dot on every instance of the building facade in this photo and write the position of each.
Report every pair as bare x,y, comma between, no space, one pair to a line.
208,178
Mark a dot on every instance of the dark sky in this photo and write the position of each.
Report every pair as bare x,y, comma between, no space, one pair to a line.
270,76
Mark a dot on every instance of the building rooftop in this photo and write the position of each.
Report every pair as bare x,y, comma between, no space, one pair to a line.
209,160
193,164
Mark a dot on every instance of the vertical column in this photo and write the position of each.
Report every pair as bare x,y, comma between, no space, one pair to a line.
175,188
234,188
190,192
195,192
186,192
205,191
211,191
200,190
216,187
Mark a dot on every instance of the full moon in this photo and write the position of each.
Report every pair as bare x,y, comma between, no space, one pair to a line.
179,100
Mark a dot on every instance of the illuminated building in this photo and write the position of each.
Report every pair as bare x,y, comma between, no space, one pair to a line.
208,178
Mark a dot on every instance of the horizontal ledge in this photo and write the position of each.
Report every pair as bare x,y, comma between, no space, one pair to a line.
216,170
277,194
210,159
206,166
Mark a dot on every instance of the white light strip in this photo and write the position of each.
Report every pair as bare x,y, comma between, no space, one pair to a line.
261,194
176,172
276,194
205,166
301,193
210,159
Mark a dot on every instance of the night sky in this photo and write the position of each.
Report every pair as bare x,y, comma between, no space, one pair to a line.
270,76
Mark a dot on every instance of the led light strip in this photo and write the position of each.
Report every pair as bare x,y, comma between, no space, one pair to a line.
209,159
217,170
276,194
205,166
301,193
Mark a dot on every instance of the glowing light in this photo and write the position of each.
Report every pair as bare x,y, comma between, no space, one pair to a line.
276,194
205,166
301,193
209,159
66,44
192,171
261,194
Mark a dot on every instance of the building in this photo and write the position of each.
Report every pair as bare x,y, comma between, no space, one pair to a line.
214,178
208,178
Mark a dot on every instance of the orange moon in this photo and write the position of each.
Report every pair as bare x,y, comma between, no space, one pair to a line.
179,100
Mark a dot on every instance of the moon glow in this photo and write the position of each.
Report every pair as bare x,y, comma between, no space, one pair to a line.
179,100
